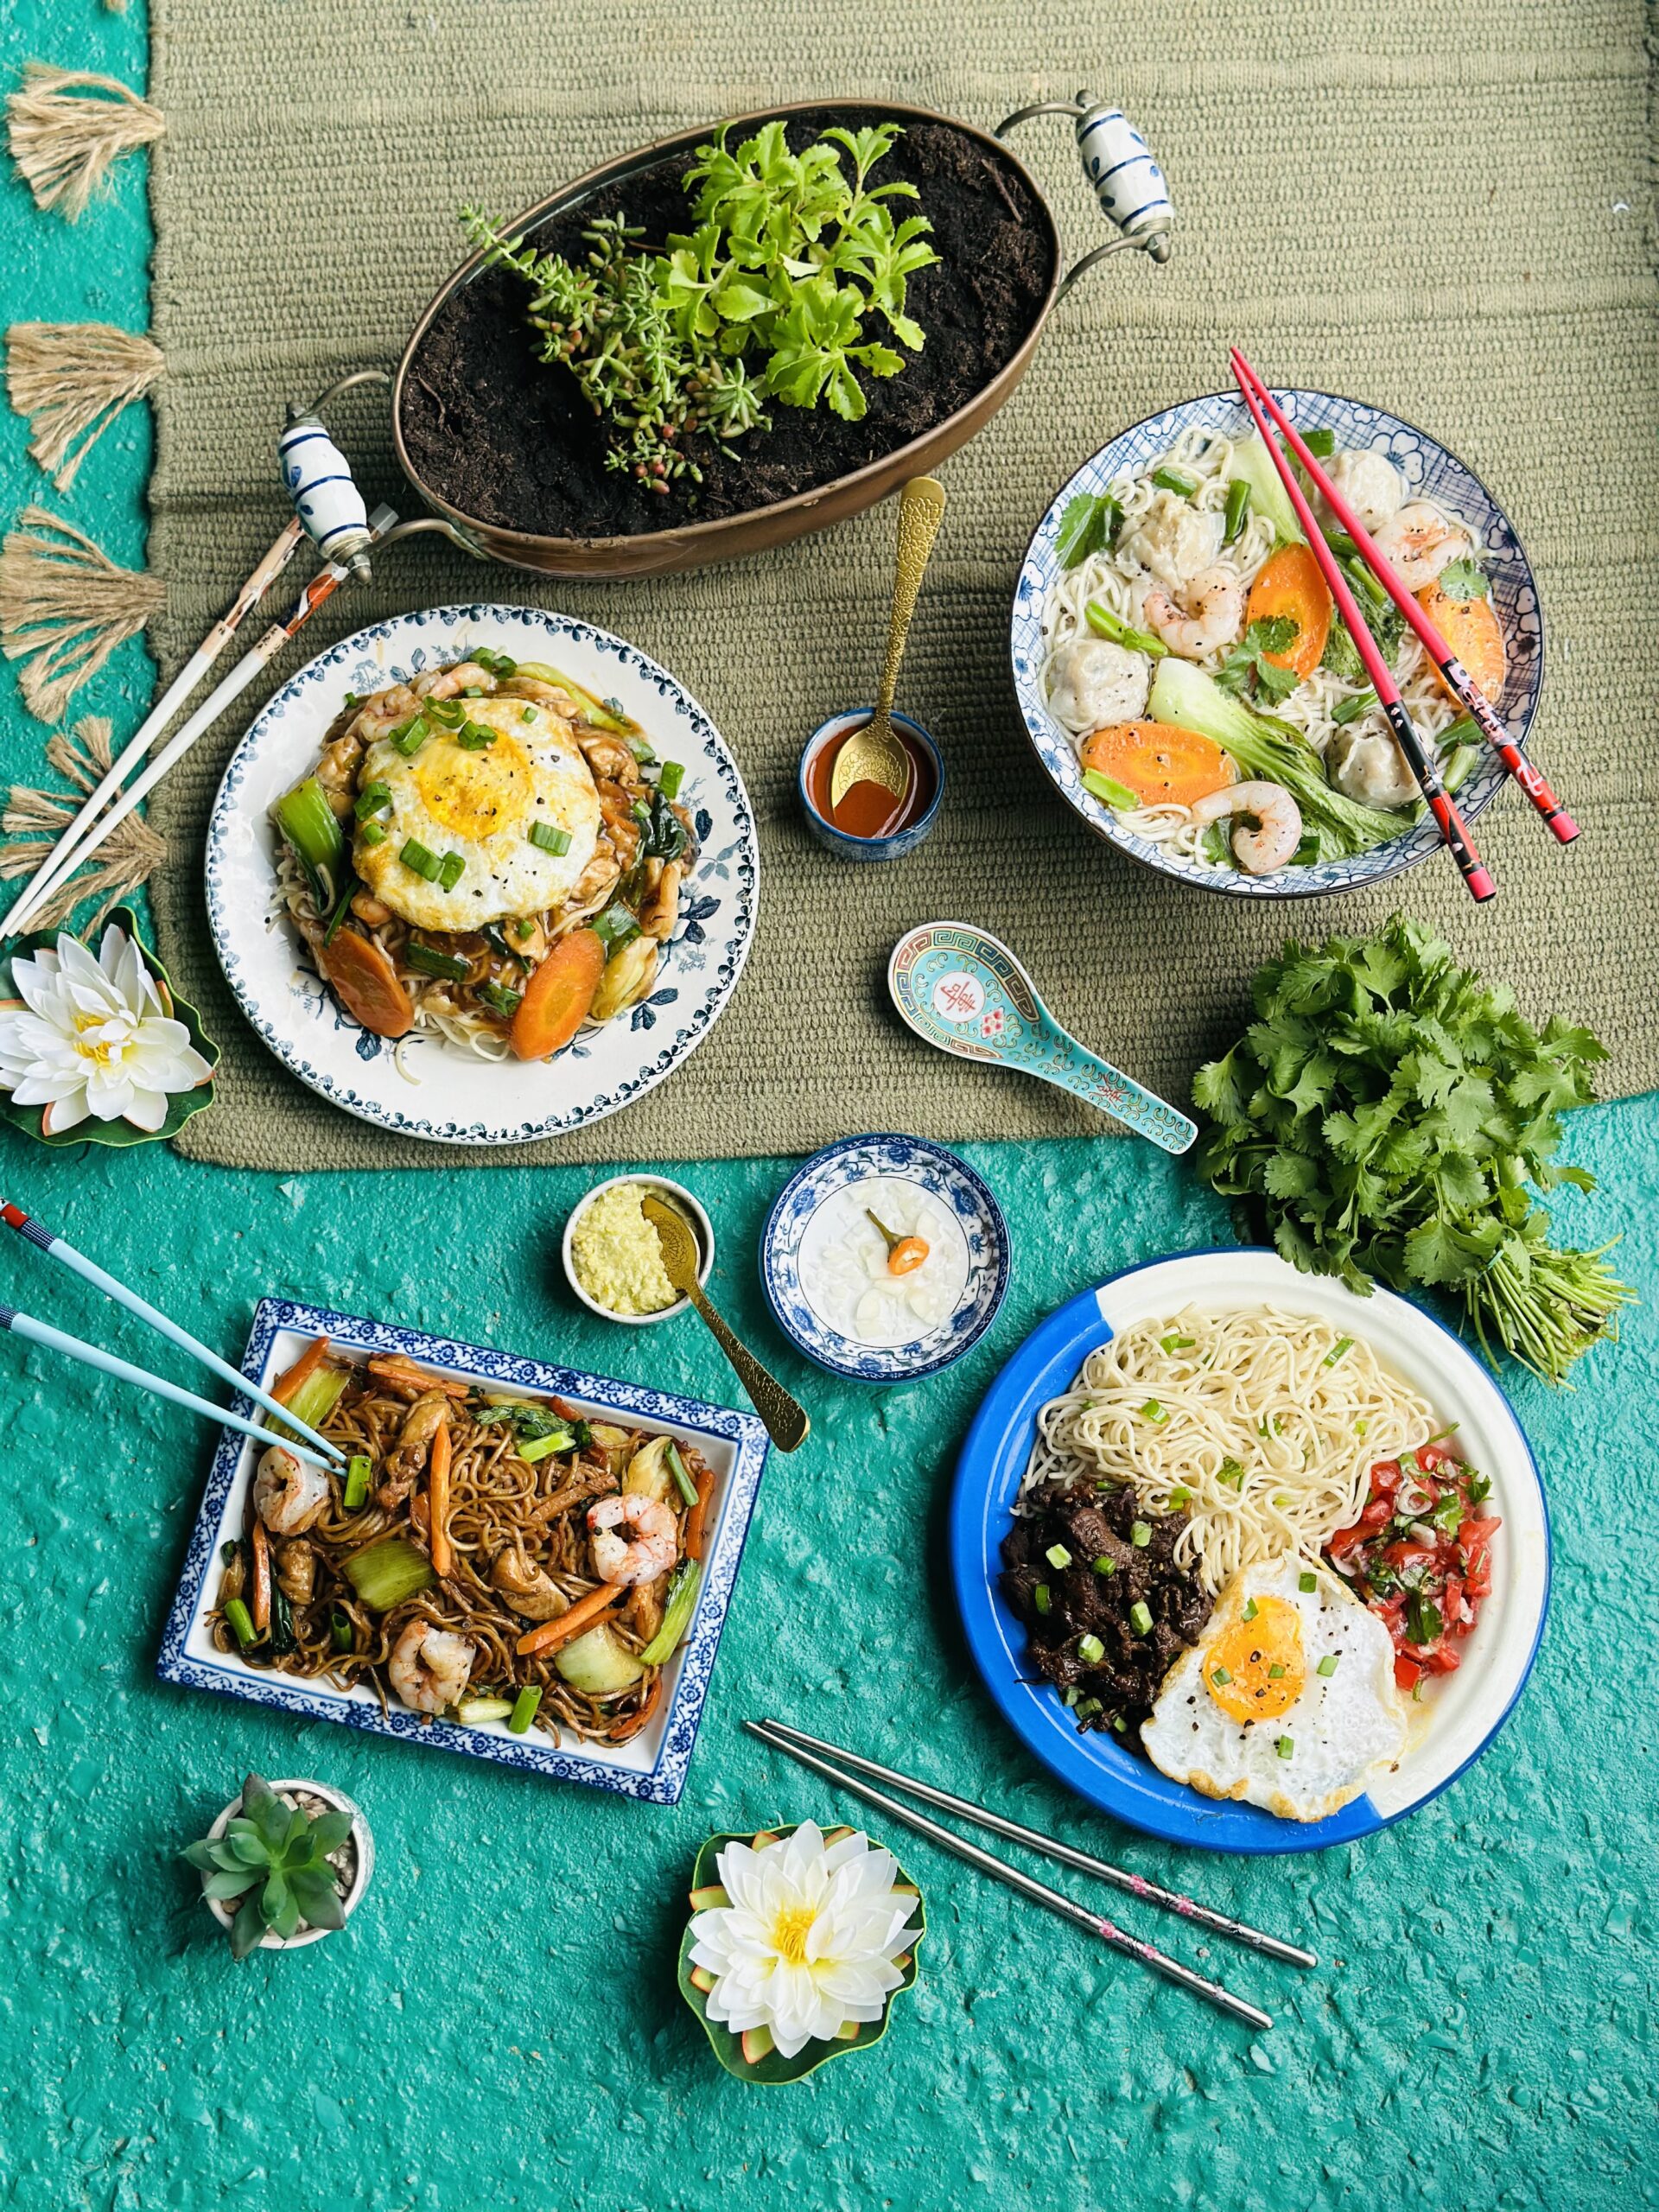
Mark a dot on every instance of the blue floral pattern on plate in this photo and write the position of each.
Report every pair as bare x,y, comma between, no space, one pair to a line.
952,1184
1429,469
432,1089
653,1764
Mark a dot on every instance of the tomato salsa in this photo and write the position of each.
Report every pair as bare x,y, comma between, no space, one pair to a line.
1419,1555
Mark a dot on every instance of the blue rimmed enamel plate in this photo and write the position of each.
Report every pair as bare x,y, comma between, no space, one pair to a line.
1460,1714
1428,469
653,1763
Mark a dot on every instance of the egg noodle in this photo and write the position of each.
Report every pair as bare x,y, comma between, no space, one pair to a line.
1116,579
1263,1425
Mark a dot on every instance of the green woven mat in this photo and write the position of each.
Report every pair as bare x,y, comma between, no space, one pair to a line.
1440,211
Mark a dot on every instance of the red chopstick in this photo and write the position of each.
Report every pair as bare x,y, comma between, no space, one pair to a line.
1458,680
1435,795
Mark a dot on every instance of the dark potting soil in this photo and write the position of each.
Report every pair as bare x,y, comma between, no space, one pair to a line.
509,439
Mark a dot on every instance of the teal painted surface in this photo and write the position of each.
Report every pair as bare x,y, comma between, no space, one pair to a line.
499,2027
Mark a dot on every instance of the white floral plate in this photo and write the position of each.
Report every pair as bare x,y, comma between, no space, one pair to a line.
1428,469
428,1087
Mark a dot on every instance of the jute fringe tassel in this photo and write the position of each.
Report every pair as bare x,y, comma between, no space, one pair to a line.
127,858
64,608
70,381
64,146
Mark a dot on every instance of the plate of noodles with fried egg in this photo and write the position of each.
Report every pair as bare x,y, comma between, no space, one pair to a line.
482,873
1249,1561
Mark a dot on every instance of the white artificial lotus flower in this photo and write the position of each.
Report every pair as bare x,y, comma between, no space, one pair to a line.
808,1939
94,1037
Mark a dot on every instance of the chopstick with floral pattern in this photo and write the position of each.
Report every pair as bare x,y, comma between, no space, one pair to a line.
1438,799
1458,681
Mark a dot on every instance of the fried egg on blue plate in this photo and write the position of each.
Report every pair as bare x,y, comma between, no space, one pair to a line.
480,802
1289,1700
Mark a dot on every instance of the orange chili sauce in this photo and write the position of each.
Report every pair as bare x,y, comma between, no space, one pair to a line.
870,809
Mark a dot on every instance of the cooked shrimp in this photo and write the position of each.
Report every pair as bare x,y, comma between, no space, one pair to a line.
1420,541
1211,612
444,683
288,1494
1278,821
386,711
428,1667
655,1539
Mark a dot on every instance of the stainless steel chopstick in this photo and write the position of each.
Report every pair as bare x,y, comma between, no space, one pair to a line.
1236,1931
1092,1924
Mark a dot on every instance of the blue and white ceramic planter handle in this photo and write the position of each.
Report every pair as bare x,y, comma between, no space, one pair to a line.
317,478
1121,172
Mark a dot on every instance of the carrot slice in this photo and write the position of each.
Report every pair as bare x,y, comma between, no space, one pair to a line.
582,1615
1473,630
437,1501
1290,583
1161,763
367,982
304,1367
557,996
691,1536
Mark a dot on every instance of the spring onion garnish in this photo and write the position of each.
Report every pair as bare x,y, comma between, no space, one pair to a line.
1154,1413
1104,624
449,712
1321,443
1238,507
549,839
386,1574
500,1000
523,1711
1175,480
1167,1344
683,1483
241,1621
1042,1597
677,1608
424,862
1109,788
672,776
1328,1664
1068,1697
1105,1564
1140,1535
451,868
615,925
374,800
538,1447
1057,1556
1141,1617
1349,709
340,908
1275,1673
1091,1651
473,737
412,737
1087,1708
526,713
1250,1609
359,1468
1231,1473
341,1634
1221,1677
1285,1746
371,834
429,960
1340,1350
1307,1580
472,690
1177,1497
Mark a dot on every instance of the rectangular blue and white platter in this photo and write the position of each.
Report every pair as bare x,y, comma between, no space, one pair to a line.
653,1764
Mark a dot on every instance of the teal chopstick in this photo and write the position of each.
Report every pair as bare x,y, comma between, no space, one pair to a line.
59,1249
42,1332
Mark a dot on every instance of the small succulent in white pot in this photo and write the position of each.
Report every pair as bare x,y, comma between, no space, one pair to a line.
285,1865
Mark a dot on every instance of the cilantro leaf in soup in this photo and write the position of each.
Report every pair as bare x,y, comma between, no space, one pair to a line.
1088,523
1464,581
1247,671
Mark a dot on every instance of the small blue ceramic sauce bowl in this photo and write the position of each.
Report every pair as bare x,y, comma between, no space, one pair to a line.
821,745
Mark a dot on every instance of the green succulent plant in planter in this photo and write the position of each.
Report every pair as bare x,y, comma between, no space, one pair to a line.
284,1863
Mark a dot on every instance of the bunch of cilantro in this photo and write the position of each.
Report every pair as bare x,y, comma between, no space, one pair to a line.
1384,1116
788,259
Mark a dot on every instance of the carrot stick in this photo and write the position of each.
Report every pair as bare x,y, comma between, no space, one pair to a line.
260,1606
301,1371
694,1519
637,1721
582,1615
437,1501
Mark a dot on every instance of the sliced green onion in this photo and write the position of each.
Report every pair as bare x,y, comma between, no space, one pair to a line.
1104,624
449,712
1230,1473
387,1573
359,1469
424,861
683,1483
1109,788
1141,1617
526,713
372,801
473,737
1238,507
1068,1697
1057,1556
1322,444
371,834
523,930
672,776
1041,1598
1276,1672
1087,1708
1105,1564
341,1634
472,690
451,868
504,666
241,1621
1328,1664
1154,1413
538,1447
1140,1535
1307,1581
677,1608
615,926
1167,1344
502,1001
1351,709
483,657
412,737
1221,1678
429,960
549,839
1091,1651
1285,1746
523,1711
340,908
1250,1609
1175,480
1340,1350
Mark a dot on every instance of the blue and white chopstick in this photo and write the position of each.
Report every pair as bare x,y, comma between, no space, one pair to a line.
41,1332
57,1248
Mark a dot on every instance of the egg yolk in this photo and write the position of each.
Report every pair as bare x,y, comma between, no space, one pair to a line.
474,795
1254,1670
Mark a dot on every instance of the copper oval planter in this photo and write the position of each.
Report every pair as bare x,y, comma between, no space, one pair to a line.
755,530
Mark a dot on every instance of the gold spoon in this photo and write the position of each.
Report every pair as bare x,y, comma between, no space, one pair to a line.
872,754
786,1420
